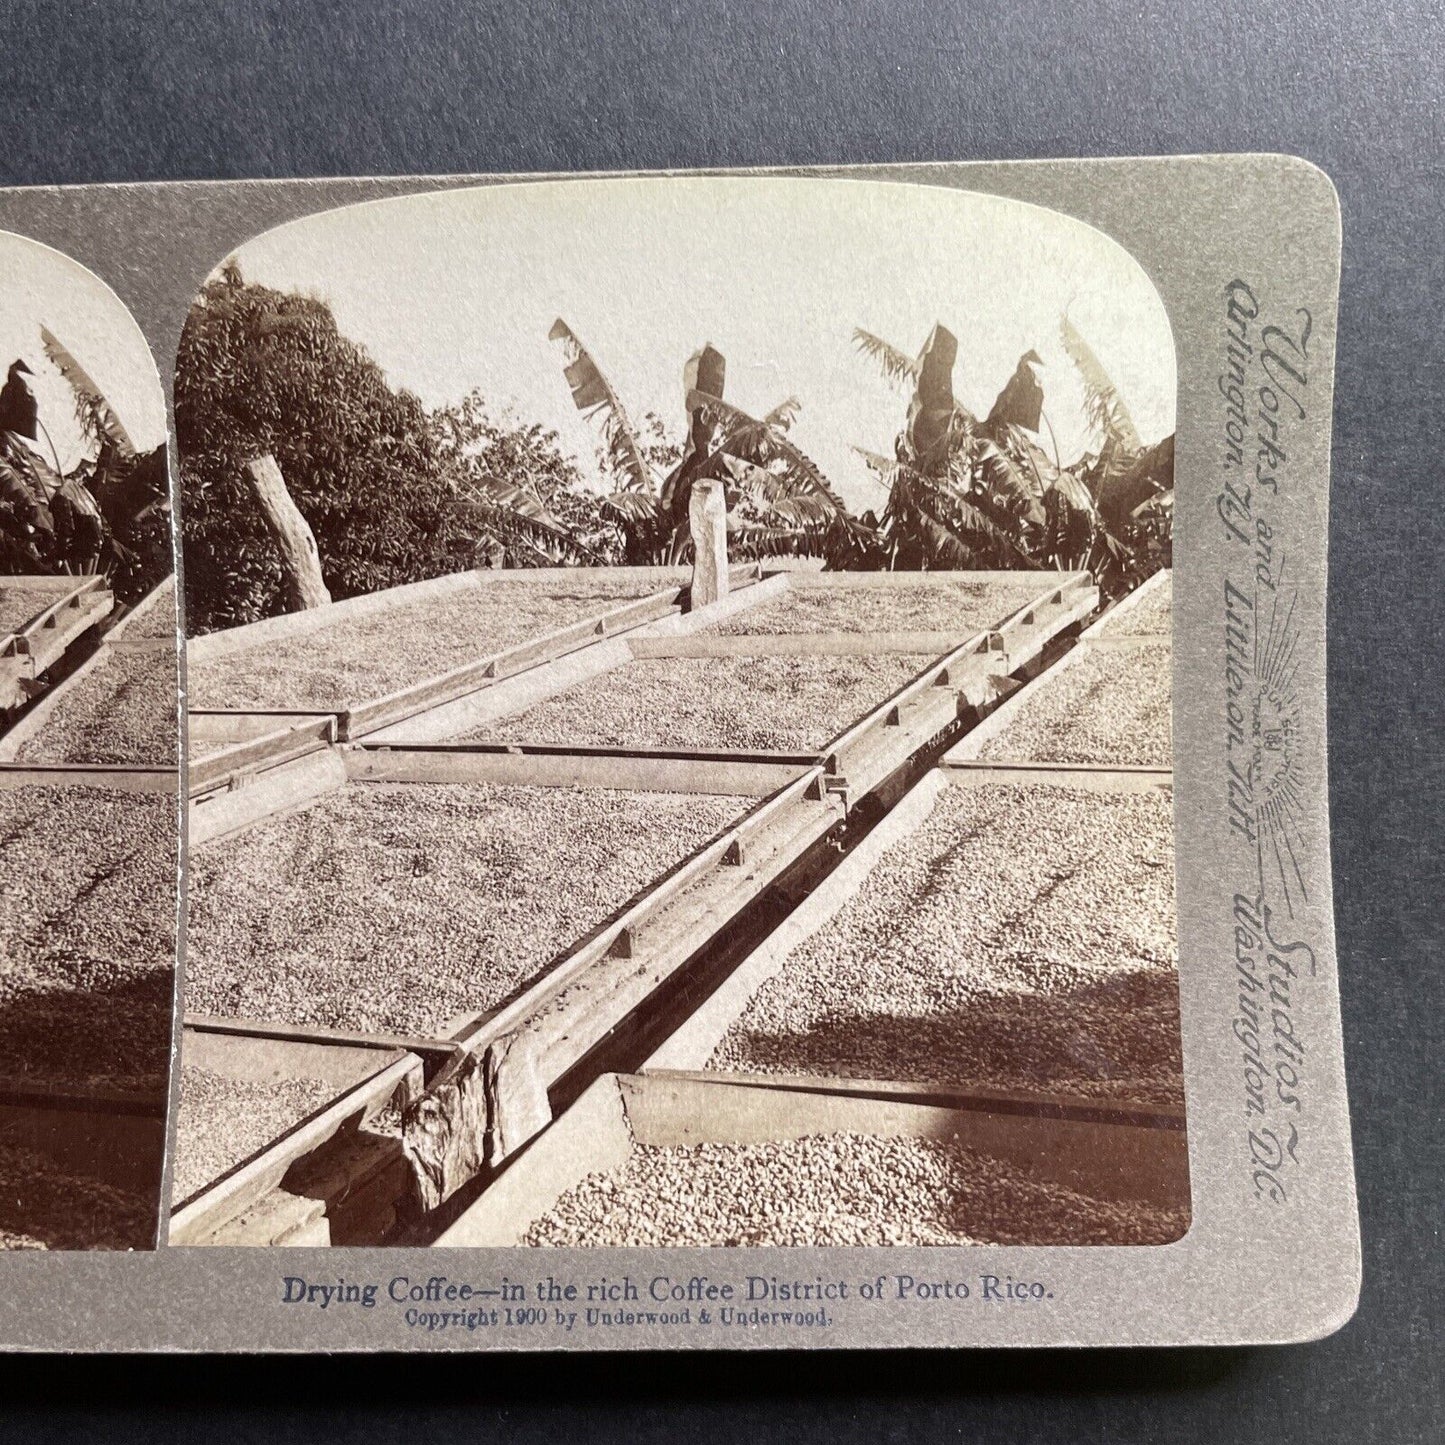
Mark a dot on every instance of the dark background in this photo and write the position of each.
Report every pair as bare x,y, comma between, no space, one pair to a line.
116,90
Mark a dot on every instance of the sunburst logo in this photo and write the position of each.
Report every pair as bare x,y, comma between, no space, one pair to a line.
1277,785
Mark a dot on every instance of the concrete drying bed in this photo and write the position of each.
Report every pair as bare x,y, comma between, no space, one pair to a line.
45,1207
356,658
121,709
778,704
1023,938
1151,616
223,1121
399,906
87,929
153,618
1111,706
932,604
835,1189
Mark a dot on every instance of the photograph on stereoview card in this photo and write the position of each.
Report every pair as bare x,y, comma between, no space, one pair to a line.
89,763
679,715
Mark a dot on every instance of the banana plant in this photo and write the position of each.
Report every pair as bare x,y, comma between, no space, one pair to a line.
965,492
779,501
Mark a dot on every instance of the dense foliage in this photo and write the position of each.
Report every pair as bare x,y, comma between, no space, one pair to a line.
108,515
967,492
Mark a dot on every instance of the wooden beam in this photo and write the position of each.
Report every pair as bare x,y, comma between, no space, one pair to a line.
407,703
229,766
446,719
229,640
966,773
238,725
45,638
741,775
125,779
797,644
1124,1155
743,597
279,790
693,1043
259,1049
707,519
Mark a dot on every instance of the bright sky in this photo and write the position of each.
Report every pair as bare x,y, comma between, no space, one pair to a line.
40,287
457,290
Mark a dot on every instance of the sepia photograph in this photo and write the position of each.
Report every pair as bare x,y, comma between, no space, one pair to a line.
678,706
89,763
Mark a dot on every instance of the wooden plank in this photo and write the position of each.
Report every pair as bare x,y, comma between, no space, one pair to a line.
1022,1103
965,773
531,672
276,1221
27,652
797,644
120,777
79,595
486,1108
503,698
741,598
1122,1154
47,636
1029,631
239,725
996,725
262,1053
741,775
223,769
198,1219
227,641
802,573
882,741
221,1045
48,701
280,790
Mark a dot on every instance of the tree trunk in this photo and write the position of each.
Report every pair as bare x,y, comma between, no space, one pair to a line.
707,518
300,563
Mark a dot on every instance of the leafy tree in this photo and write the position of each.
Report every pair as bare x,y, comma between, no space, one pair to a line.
523,488
263,371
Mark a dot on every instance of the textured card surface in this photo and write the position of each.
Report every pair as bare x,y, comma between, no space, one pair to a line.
696,760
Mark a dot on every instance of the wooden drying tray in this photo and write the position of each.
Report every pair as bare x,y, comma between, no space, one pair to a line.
260,739
498,1099
1103,1152
496,1096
